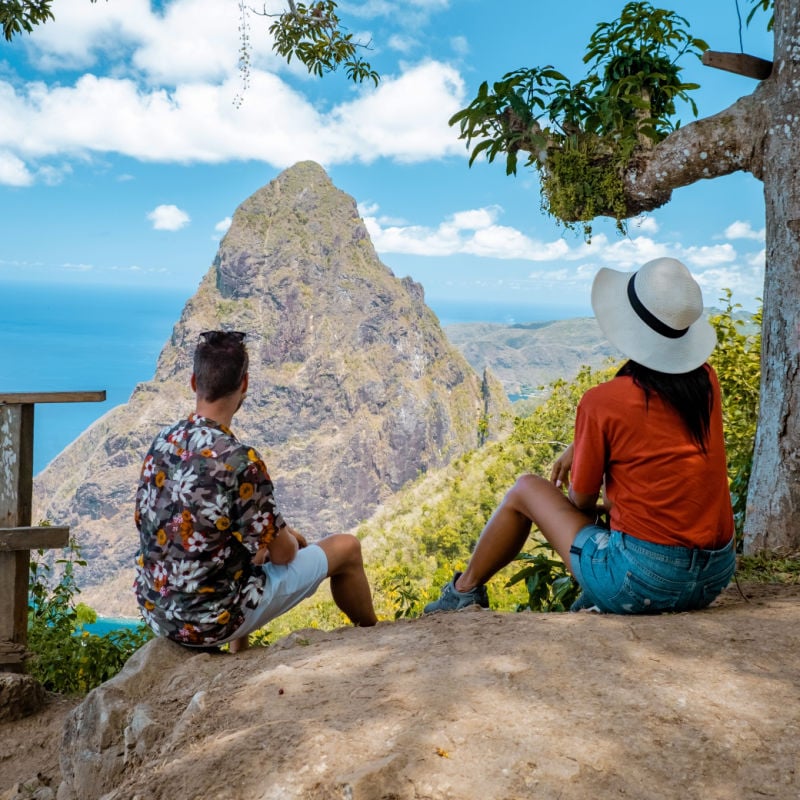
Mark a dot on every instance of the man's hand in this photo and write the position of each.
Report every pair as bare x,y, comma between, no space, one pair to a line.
559,474
301,540
283,548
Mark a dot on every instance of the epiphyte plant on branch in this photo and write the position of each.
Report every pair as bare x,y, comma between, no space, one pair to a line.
583,136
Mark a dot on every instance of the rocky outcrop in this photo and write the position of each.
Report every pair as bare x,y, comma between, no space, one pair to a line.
355,390
469,705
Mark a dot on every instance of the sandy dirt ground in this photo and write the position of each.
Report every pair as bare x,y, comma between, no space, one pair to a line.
482,705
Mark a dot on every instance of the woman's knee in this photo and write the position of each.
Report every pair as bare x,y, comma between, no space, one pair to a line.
525,491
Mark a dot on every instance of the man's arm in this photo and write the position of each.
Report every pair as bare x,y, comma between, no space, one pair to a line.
283,548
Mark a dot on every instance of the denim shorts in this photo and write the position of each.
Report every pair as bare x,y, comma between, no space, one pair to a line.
621,574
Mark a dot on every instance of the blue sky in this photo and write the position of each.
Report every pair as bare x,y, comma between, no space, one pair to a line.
123,154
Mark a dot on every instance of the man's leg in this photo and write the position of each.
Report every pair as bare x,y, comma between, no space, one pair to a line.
239,645
531,500
349,585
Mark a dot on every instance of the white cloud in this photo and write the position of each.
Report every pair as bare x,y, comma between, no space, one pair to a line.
168,218
223,225
624,254
758,259
78,267
475,219
368,209
13,171
743,230
472,232
414,11
746,284
644,224
402,44
405,118
52,176
186,40
460,45
709,255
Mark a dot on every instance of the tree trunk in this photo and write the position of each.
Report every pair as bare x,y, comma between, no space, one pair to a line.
773,503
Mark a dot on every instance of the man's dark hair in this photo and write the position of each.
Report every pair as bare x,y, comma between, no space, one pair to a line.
220,364
689,393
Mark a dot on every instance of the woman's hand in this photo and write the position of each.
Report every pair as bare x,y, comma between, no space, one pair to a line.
559,474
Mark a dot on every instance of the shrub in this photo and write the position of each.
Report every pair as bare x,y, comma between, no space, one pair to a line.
67,659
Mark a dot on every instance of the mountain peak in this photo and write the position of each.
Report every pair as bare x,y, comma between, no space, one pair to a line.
354,388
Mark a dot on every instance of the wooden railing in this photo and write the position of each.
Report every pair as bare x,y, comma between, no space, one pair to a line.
17,536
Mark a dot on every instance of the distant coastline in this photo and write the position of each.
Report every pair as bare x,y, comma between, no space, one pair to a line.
85,338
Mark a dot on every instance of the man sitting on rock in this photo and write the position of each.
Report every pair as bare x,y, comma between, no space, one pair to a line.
216,560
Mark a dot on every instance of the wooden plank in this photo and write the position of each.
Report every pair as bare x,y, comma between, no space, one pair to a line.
11,653
16,490
14,569
52,397
29,538
740,63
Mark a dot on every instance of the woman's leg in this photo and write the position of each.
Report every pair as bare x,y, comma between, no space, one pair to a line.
531,500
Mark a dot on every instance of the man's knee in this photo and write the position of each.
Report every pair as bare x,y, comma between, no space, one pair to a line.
343,551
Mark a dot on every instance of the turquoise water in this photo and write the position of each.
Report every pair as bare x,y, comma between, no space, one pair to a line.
105,625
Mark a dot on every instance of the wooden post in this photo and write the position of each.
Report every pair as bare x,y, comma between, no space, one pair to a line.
17,537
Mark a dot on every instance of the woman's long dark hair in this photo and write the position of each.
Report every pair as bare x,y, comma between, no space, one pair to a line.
689,393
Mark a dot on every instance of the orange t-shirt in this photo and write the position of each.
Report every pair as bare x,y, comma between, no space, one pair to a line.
660,484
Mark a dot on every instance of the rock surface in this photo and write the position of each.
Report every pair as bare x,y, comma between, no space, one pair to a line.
20,695
355,389
467,705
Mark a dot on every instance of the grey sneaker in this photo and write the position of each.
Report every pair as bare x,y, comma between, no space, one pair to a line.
452,600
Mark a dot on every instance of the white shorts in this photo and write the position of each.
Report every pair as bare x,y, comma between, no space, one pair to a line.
287,585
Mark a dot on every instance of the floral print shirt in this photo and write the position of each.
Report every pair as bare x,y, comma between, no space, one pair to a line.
204,506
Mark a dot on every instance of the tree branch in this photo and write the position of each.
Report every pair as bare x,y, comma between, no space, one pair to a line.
730,141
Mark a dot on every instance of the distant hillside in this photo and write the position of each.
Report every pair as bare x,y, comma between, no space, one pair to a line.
526,357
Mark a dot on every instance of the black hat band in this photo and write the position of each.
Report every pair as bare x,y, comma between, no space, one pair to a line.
650,319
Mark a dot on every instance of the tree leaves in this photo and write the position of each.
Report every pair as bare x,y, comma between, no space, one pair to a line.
17,16
314,35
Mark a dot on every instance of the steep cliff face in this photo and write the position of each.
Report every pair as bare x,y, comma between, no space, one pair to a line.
354,388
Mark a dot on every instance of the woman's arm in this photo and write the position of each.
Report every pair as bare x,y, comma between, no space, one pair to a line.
584,502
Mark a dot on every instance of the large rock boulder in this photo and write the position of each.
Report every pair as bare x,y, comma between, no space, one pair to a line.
469,705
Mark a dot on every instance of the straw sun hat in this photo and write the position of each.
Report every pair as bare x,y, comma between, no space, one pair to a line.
654,315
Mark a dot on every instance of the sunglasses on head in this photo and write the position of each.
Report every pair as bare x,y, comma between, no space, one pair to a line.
222,337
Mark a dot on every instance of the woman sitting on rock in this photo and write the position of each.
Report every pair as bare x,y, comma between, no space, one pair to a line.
651,439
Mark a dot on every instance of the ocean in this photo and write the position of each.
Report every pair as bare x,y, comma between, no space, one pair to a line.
87,338
80,338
